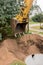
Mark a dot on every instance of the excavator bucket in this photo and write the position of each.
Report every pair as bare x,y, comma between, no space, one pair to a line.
17,27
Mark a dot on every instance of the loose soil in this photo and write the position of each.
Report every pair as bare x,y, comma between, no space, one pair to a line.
18,49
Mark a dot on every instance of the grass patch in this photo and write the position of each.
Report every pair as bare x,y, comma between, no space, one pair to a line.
40,32
32,22
36,27
29,32
17,63
32,31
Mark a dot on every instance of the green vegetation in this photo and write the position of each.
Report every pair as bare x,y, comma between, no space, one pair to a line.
17,63
8,9
38,18
41,33
32,22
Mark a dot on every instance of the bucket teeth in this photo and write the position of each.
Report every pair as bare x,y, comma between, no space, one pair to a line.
15,35
18,34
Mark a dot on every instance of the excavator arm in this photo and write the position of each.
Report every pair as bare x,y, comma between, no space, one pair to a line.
19,22
24,11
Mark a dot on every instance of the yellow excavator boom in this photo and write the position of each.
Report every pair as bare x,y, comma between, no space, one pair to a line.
24,11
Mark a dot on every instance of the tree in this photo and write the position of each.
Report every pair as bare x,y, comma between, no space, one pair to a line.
8,9
38,18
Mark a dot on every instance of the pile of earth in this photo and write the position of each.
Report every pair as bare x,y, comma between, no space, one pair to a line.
18,49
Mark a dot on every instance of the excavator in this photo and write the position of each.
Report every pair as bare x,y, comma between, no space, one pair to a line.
19,22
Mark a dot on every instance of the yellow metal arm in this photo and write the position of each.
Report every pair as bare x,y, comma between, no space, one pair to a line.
24,11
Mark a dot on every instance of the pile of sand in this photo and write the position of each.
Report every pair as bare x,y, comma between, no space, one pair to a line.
18,49
31,40
5,56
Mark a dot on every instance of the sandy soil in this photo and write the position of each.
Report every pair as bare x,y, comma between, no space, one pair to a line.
11,49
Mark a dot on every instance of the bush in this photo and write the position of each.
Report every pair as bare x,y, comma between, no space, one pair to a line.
8,9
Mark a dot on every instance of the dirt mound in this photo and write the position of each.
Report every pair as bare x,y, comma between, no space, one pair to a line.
10,44
5,56
12,47
31,37
28,40
9,52
18,49
33,50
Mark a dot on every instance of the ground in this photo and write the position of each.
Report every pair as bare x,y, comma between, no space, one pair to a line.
19,49
35,28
